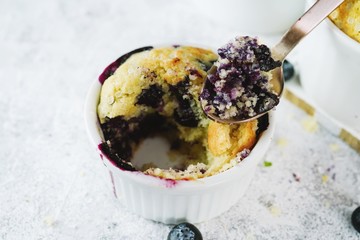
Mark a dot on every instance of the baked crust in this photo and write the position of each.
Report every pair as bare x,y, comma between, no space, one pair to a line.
231,139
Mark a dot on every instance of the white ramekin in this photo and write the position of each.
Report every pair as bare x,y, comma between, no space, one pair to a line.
171,201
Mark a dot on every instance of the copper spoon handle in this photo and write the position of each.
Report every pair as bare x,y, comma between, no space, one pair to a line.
307,22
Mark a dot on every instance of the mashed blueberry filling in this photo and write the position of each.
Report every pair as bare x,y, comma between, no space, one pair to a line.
184,114
240,84
122,136
151,96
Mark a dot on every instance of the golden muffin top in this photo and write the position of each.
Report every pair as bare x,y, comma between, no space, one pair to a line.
347,18
163,66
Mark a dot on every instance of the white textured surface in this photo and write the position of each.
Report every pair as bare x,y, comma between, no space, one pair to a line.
51,181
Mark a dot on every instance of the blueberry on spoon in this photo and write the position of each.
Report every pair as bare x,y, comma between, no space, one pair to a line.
288,70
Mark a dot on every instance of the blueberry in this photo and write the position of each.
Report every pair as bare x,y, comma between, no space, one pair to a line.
263,55
151,96
184,231
288,70
186,117
181,89
355,219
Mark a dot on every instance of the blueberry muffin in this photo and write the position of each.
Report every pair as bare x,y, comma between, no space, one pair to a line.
155,92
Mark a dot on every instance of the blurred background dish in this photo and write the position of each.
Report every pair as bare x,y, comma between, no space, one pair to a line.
329,63
253,17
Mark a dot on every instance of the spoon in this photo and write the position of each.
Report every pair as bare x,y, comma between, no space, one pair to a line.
303,26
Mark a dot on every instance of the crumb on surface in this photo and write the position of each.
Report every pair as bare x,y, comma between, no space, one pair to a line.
282,142
324,178
296,177
310,124
275,211
334,147
267,164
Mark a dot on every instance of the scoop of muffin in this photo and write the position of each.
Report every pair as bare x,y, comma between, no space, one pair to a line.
155,92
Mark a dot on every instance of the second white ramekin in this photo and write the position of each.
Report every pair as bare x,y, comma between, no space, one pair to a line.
329,63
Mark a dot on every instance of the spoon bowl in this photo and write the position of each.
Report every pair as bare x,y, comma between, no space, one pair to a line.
303,26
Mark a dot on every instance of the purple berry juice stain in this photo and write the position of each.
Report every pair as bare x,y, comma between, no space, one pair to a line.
170,183
113,183
109,70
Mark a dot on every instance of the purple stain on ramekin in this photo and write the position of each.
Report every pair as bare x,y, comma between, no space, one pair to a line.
170,183
102,158
113,183
109,70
